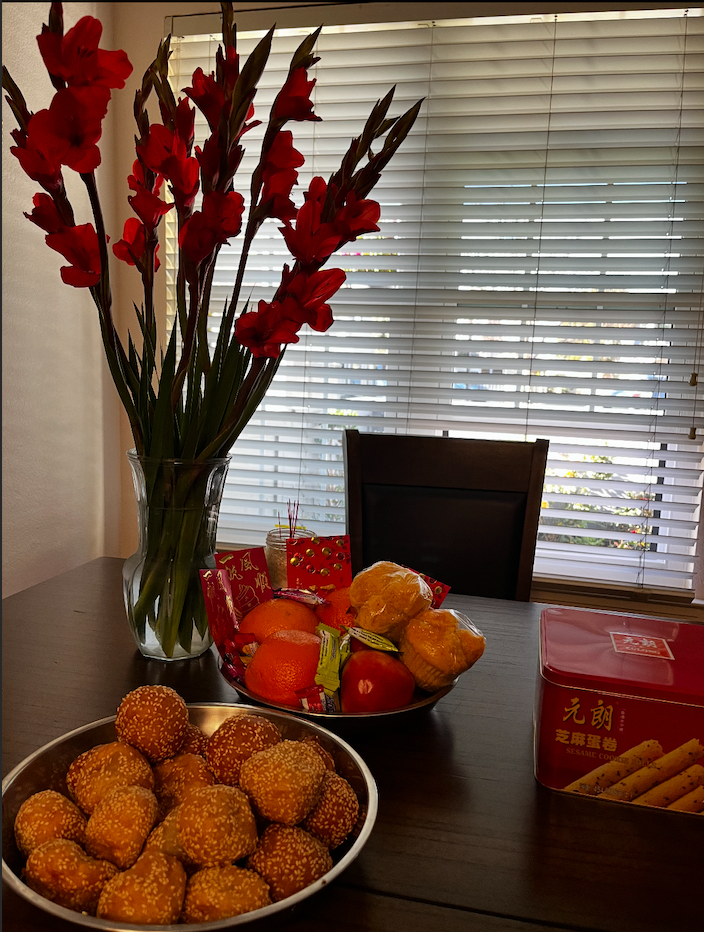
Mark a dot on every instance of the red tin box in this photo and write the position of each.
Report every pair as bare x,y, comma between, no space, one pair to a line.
619,708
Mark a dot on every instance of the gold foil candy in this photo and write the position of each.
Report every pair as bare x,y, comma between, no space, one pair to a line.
326,551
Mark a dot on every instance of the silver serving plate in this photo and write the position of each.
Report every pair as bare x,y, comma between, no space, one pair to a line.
343,721
46,770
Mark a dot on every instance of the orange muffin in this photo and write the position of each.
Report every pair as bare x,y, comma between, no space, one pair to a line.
436,648
45,816
385,596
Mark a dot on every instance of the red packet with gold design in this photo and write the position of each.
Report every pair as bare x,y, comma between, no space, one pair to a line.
439,589
320,564
248,576
223,618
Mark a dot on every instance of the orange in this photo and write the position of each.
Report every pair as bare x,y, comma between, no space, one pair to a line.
283,662
279,615
336,613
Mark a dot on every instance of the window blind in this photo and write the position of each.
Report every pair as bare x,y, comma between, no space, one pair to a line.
538,273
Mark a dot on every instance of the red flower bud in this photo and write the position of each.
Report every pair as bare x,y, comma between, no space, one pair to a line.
207,96
46,214
293,100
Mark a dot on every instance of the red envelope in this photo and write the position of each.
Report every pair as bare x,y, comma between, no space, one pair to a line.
248,575
320,564
223,617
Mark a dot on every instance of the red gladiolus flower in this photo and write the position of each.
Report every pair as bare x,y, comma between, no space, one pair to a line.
263,331
209,161
77,59
71,126
208,96
293,100
148,206
197,238
39,164
311,240
317,190
165,152
223,212
279,176
306,294
357,217
132,248
46,214
220,219
80,246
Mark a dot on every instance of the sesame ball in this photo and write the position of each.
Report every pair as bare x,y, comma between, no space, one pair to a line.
153,719
314,742
164,838
335,814
101,769
216,825
61,871
176,777
220,892
120,824
289,859
284,781
151,892
47,815
195,741
235,741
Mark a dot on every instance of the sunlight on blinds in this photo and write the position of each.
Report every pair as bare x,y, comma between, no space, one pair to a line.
537,274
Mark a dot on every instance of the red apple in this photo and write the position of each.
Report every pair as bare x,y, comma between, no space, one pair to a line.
375,681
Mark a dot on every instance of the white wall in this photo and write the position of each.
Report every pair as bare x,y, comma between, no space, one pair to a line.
60,498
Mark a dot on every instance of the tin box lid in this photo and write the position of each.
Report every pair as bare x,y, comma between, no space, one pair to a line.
629,654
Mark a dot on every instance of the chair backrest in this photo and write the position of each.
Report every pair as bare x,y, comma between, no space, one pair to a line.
462,511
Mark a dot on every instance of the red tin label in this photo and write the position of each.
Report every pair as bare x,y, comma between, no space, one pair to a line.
640,644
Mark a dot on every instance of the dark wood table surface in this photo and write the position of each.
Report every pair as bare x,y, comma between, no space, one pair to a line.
466,839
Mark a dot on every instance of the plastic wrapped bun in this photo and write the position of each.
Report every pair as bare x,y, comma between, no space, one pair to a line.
386,596
439,644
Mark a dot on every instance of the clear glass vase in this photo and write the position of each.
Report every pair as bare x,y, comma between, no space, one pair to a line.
178,502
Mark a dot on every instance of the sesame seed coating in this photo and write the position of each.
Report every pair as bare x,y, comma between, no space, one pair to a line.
235,741
314,742
164,838
284,781
61,871
103,768
150,892
47,815
220,892
176,777
216,825
289,859
153,719
195,741
120,824
335,814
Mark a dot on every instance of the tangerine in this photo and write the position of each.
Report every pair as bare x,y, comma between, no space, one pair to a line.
279,615
337,614
284,662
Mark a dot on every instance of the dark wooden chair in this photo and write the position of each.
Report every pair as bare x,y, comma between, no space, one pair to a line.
462,511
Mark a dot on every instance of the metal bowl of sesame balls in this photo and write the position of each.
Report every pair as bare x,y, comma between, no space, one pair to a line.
47,767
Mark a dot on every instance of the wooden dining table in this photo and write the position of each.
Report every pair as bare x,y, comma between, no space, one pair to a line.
466,839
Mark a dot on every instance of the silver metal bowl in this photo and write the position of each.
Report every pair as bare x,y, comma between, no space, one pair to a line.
46,770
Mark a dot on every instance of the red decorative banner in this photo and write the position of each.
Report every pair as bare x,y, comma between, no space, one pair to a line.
223,618
248,576
319,564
